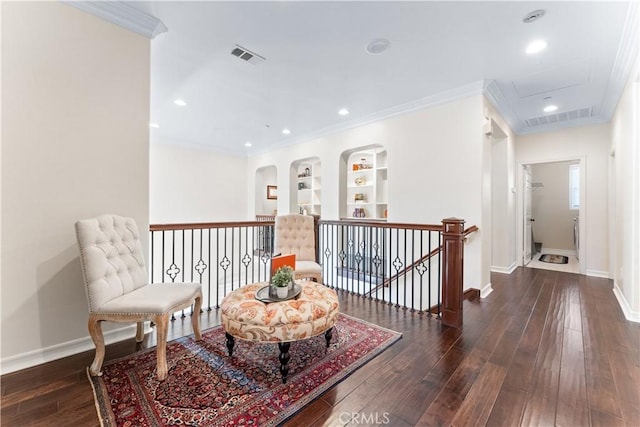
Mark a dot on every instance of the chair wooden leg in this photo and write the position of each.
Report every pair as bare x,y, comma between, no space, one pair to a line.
140,332
195,318
95,330
162,323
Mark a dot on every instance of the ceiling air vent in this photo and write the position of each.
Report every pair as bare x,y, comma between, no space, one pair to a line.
247,55
549,119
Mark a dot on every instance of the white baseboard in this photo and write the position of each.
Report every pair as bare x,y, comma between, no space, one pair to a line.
629,314
504,270
598,273
58,351
484,292
566,252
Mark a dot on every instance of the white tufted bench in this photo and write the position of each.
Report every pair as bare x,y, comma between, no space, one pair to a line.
314,312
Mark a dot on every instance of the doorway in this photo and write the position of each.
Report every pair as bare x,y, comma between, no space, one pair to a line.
552,215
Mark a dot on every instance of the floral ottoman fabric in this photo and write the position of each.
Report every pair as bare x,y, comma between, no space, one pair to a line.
312,313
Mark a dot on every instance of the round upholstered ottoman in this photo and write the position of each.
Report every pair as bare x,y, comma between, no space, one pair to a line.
312,313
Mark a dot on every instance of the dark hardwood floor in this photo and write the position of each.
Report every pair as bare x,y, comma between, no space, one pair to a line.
545,348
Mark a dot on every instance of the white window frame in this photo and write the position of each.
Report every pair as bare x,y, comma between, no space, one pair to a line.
574,186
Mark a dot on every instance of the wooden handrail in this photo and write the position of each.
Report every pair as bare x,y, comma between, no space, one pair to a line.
382,224
205,225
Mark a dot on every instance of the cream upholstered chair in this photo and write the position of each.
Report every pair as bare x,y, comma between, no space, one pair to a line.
295,234
117,286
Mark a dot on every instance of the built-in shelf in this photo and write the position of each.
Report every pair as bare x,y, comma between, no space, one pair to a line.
366,186
308,184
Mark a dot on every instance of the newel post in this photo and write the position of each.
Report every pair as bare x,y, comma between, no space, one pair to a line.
316,232
452,271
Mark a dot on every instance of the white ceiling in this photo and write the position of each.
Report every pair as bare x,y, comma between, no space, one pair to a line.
316,63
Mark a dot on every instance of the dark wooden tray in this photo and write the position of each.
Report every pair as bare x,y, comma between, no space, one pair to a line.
263,294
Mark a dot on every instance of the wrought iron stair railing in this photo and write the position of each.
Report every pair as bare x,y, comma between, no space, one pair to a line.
409,266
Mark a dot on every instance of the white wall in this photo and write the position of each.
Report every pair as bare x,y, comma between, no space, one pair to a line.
590,143
433,169
192,185
75,113
625,220
553,226
500,204
267,175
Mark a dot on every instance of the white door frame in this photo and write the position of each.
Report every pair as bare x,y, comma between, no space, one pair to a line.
582,211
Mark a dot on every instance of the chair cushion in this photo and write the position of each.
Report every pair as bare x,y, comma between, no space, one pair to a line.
155,298
307,267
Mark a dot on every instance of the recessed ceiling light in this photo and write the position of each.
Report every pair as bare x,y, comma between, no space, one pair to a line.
532,16
536,46
377,46
286,131
154,125
247,144
550,108
180,103
343,112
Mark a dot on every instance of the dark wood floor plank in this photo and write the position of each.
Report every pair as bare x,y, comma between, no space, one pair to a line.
545,348
601,387
478,403
507,408
423,394
626,375
573,405
603,419
540,408
443,409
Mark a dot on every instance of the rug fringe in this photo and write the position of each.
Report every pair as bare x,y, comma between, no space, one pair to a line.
95,382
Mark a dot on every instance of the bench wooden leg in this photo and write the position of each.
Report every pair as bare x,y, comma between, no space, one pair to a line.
162,322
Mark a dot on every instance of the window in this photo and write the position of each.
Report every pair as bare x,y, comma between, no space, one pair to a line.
574,187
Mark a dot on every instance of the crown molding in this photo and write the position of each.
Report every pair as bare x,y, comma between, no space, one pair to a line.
625,58
123,15
495,96
431,101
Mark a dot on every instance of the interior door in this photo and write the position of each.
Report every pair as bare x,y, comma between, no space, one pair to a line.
528,218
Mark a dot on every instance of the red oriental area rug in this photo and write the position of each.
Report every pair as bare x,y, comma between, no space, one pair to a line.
205,387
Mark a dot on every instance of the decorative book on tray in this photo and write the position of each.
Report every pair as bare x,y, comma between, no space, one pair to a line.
271,293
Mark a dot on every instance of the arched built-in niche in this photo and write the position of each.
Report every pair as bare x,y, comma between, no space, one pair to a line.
363,183
266,190
306,186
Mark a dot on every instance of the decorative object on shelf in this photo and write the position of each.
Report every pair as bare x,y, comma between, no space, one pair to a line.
385,212
360,181
305,174
272,192
364,164
282,280
359,197
359,213
356,167
302,186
